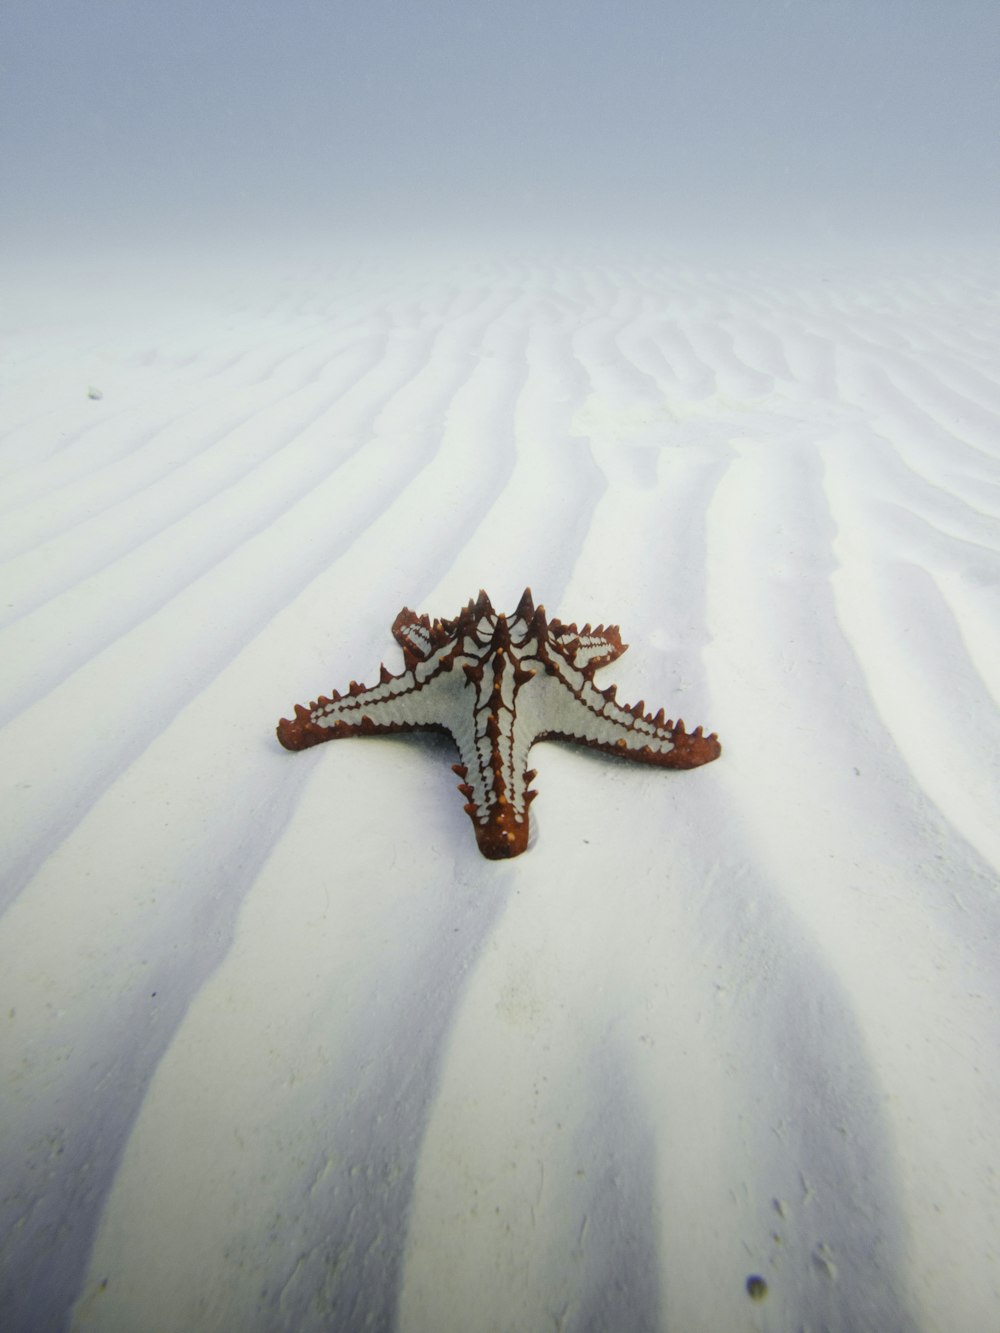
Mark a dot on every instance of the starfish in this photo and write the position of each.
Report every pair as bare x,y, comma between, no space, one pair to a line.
497,685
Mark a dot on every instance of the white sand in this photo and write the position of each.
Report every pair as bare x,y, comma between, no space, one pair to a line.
283,1050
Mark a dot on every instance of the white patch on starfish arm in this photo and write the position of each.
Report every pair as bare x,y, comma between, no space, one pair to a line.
415,699
587,715
418,637
424,670
586,651
492,769
474,754
576,680
519,629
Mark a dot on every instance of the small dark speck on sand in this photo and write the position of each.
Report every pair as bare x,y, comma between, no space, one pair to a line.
756,1287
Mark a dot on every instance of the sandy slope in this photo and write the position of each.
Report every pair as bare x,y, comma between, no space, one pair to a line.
283,1051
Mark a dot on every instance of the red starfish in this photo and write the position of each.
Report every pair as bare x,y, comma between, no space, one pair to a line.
497,686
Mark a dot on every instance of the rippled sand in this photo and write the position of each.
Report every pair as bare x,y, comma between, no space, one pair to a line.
283,1050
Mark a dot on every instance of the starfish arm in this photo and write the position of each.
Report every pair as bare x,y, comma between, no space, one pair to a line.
575,710
417,699
586,649
496,790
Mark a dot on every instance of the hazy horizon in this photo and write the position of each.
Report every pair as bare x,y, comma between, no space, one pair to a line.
136,120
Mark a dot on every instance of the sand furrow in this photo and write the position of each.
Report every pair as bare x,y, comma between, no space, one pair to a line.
921,679
812,733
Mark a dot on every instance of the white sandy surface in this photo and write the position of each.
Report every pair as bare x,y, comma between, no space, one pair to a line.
282,1050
